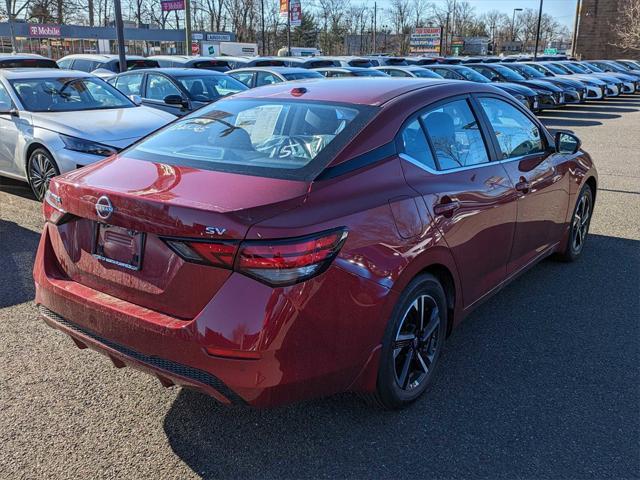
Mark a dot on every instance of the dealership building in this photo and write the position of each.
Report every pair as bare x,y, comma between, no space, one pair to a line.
55,41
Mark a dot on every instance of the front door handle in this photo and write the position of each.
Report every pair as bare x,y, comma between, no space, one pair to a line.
446,208
523,185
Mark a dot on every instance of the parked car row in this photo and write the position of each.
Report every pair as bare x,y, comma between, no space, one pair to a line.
45,97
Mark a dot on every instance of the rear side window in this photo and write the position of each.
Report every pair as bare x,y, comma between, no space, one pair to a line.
84,65
414,144
244,77
276,138
516,133
455,135
65,63
266,78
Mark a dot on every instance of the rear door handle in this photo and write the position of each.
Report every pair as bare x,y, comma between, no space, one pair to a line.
446,209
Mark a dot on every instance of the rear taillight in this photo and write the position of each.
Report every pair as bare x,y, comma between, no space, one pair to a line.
274,262
53,208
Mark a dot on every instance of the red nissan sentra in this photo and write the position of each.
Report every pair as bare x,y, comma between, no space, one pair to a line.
299,240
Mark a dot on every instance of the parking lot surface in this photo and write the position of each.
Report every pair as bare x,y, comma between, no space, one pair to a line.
542,381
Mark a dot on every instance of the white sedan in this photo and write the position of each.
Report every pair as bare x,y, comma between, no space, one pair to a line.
53,121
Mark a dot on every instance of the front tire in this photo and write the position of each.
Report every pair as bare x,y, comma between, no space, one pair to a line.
41,168
580,221
412,343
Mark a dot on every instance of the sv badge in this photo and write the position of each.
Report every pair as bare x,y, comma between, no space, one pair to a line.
214,230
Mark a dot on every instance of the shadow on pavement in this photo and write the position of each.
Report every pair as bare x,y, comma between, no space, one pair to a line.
567,122
16,187
18,251
540,382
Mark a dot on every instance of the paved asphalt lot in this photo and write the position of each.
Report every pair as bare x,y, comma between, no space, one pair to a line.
543,381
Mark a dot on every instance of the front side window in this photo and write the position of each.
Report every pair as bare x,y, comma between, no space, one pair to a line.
414,144
65,63
455,135
159,87
209,88
424,73
446,73
488,73
509,74
68,94
129,84
397,73
277,138
517,135
471,75
301,75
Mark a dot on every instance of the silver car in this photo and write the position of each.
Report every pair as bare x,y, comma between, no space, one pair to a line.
53,121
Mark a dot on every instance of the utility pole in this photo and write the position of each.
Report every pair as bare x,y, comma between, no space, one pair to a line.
576,28
12,31
187,25
262,27
288,28
120,35
446,37
375,27
535,53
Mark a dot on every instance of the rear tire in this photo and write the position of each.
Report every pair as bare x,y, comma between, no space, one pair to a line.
412,343
580,221
41,168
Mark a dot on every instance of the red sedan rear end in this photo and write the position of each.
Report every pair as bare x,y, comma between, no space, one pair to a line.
272,246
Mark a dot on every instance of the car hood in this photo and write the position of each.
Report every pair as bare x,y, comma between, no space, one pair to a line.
610,77
586,77
565,82
541,84
118,127
514,88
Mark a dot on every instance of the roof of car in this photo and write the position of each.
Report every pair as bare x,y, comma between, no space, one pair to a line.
20,56
102,57
275,69
174,71
348,90
23,73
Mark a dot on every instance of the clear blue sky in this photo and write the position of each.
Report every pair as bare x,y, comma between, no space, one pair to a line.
562,10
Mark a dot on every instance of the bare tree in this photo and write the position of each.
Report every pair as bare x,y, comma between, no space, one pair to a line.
628,27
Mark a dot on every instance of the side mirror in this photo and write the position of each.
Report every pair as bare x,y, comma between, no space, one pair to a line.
137,99
7,109
567,143
176,100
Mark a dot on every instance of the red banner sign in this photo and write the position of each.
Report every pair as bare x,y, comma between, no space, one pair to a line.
38,30
170,5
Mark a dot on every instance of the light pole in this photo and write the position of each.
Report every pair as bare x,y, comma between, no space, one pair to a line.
535,52
122,60
513,23
187,26
12,32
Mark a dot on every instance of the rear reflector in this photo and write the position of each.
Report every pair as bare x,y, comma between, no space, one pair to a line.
274,262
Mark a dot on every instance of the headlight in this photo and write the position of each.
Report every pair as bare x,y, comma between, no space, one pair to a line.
86,146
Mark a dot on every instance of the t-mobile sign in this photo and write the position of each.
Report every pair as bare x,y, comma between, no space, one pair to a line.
170,5
38,30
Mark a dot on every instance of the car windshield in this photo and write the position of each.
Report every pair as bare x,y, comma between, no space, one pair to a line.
529,71
301,75
67,94
207,88
611,65
508,73
472,75
575,68
274,138
424,73
593,67
557,69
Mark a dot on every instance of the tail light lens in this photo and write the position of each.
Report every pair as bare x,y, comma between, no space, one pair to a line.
274,262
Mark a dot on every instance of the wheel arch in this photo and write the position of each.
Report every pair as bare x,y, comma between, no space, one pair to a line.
593,185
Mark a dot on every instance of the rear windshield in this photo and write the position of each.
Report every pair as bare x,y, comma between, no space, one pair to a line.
28,63
140,64
302,75
212,65
273,138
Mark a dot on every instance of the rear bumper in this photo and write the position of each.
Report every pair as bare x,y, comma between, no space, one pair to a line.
305,345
